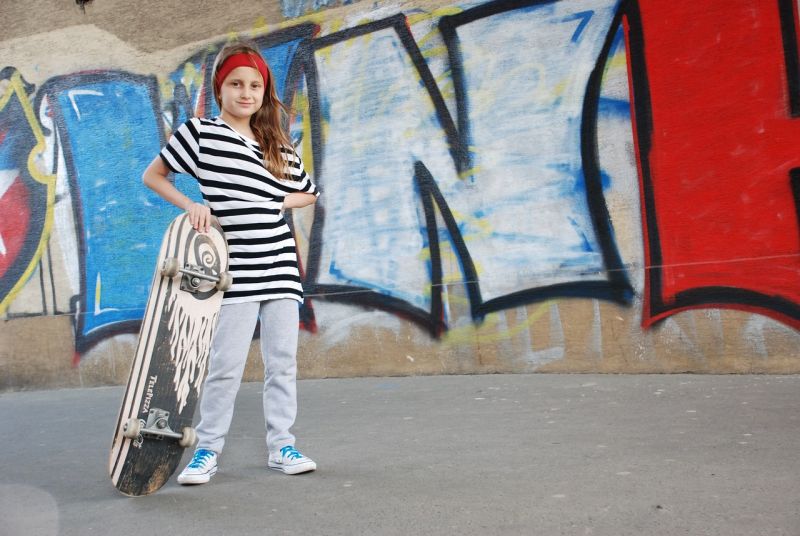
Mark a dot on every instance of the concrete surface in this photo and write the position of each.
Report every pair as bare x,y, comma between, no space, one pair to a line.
497,454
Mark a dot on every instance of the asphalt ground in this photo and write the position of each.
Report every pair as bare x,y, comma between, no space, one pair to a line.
494,454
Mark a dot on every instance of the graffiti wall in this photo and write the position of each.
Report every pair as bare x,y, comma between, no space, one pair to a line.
508,186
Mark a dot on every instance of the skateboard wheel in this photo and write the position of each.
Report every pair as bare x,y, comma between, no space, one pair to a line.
170,267
189,437
225,281
132,428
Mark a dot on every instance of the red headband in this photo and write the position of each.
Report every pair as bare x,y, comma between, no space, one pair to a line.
241,59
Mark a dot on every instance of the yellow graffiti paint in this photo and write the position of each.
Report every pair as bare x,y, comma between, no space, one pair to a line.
260,24
434,51
471,334
300,105
415,18
482,225
448,91
423,41
558,89
97,293
447,252
467,173
335,25
192,76
166,87
618,61
16,88
325,54
445,11
325,129
436,14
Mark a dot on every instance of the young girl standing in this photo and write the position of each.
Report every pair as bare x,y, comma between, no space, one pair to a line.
248,174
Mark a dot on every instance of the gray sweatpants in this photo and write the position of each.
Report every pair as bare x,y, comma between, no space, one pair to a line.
279,331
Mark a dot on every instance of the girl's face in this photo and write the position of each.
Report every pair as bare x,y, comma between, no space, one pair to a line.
242,93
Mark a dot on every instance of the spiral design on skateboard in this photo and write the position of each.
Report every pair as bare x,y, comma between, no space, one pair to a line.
207,268
207,255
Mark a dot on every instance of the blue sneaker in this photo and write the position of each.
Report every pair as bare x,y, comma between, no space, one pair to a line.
290,461
200,470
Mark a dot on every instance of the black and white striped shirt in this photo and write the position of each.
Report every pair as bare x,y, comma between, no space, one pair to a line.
247,199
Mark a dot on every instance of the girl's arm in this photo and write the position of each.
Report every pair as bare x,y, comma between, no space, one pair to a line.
155,178
298,200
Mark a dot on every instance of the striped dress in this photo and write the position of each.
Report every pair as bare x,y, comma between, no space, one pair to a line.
247,200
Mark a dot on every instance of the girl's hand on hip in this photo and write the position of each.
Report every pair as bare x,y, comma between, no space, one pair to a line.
199,217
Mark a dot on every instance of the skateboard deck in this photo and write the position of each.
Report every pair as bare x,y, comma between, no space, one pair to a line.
154,424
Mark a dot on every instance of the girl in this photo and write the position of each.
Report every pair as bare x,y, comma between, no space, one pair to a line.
248,174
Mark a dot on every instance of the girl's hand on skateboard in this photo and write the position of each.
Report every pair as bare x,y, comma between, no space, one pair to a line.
199,217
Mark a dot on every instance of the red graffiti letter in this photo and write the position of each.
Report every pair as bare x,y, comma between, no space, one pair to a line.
714,89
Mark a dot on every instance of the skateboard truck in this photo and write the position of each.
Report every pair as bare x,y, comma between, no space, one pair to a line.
193,275
157,426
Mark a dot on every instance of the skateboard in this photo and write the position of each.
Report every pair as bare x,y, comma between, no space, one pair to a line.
155,420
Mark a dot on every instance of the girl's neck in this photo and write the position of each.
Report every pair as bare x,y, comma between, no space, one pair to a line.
240,125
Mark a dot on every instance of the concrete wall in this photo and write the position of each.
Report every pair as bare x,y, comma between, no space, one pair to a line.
508,186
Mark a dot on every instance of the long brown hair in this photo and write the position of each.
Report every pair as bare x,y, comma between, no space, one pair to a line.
269,120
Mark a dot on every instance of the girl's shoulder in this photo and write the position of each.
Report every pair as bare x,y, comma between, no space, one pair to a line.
205,121
203,125
193,123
